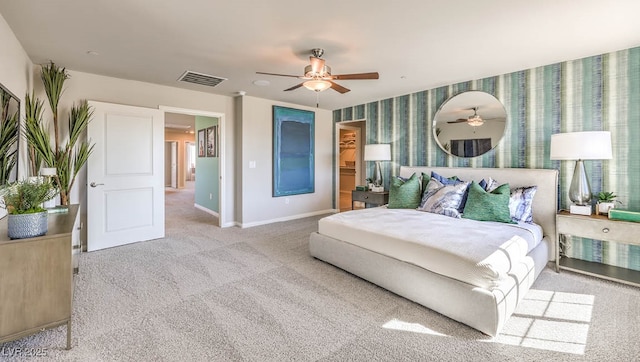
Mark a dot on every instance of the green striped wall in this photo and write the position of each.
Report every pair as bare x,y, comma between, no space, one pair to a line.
590,94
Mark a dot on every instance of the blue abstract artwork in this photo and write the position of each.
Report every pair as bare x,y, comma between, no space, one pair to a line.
293,151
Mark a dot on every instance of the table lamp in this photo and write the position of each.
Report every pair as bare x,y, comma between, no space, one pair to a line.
580,146
377,153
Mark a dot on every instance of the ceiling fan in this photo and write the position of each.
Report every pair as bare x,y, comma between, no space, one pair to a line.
318,77
474,120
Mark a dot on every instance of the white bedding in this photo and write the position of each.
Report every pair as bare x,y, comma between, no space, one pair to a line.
484,257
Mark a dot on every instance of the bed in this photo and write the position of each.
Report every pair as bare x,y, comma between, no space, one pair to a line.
378,245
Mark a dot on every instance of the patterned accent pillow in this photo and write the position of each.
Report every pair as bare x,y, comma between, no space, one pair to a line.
491,185
520,204
443,180
453,180
488,206
443,199
404,193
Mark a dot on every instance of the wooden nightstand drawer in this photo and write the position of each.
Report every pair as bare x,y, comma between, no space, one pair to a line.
599,228
370,198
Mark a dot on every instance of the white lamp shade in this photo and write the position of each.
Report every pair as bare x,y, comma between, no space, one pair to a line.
377,152
595,145
48,171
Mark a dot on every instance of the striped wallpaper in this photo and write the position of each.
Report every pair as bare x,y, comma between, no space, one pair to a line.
591,94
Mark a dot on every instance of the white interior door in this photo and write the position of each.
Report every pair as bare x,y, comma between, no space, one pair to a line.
125,195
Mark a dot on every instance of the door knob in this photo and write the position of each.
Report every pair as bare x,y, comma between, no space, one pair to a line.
93,184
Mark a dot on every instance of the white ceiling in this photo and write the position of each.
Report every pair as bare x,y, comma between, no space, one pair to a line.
414,44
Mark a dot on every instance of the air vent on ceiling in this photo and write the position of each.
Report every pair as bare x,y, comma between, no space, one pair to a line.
200,78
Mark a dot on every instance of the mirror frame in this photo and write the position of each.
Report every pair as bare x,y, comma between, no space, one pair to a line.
460,106
13,176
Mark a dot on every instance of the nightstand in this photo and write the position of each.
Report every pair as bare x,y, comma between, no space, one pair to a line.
597,227
370,198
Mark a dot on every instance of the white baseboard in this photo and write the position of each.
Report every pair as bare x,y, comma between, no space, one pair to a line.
208,211
287,218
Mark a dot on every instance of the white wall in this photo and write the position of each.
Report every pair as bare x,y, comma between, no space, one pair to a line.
258,206
16,76
114,90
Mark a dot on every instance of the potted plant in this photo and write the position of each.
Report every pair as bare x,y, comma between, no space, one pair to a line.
23,201
606,201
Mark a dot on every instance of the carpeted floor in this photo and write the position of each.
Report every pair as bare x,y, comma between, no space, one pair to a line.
209,294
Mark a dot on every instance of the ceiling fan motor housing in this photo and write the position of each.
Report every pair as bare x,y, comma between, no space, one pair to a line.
308,72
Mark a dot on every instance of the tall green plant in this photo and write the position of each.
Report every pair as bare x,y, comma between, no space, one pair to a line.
68,158
53,78
33,121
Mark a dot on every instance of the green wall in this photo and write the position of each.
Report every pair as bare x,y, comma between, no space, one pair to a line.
207,174
591,94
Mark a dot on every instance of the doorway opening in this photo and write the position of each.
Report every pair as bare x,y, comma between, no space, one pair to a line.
190,161
350,166
200,158
171,164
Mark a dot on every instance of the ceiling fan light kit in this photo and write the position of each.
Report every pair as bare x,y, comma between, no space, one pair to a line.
475,121
317,85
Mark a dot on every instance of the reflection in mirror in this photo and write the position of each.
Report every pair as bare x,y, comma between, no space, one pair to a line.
469,124
9,131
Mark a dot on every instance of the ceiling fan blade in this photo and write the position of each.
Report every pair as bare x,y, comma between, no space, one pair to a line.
317,64
294,87
339,88
372,75
459,120
279,75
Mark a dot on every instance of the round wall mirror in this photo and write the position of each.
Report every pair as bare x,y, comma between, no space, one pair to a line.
469,124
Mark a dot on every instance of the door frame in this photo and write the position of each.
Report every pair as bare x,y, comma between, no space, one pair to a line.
360,171
223,154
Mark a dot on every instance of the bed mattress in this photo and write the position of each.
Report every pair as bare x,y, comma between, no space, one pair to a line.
479,253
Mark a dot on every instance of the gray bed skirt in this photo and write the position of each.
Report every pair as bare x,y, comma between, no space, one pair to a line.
483,309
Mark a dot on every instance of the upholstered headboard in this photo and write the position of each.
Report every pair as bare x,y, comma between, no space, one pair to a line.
545,202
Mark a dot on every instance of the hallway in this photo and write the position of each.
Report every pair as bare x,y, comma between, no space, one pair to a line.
180,212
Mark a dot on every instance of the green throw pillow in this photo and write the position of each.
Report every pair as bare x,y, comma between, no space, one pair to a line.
404,194
488,206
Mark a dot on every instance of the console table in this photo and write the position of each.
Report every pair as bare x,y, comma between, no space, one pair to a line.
36,277
597,227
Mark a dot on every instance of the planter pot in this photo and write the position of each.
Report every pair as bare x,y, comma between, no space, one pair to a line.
22,226
604,207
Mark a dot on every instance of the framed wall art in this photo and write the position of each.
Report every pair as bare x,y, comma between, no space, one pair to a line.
212,141
201,143
293,151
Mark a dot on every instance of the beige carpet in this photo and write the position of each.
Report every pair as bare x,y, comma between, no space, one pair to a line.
209,294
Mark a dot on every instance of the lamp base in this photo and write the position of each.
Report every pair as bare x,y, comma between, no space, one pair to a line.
580,210
377,179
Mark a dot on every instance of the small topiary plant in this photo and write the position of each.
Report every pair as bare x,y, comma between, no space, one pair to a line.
607,197
26,197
